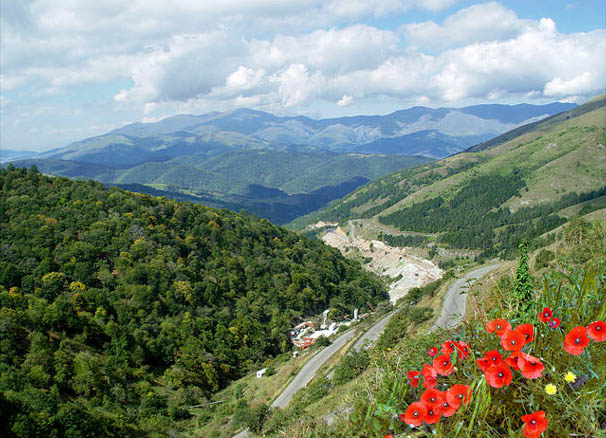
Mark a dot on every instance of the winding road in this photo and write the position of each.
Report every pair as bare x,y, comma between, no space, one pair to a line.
455,301
452,313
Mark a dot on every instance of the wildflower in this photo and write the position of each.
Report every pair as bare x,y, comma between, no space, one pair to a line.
448,409
432,351
414,414
530,366
433,397
513,360
483,364
597,331
458,394
498,326
413,378
498,376
429,376
492,357
536,424
554,323
570,377
545,315
433,414
526,330
442,365
512,340
576,340
448,347
462,349
550,389
388,436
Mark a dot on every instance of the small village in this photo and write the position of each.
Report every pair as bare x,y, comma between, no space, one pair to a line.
304,335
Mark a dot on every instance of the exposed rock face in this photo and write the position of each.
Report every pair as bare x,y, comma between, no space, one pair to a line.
387,260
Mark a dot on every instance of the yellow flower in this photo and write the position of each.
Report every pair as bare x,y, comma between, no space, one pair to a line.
570,377
551,389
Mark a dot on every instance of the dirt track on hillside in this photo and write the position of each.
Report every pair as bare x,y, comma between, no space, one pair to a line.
386,260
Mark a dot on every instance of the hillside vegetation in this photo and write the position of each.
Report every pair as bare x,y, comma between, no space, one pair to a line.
120,310
491,199
374,394
274,183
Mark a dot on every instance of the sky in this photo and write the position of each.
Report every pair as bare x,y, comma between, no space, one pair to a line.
72,69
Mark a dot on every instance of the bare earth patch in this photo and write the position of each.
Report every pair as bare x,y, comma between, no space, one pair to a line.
410,271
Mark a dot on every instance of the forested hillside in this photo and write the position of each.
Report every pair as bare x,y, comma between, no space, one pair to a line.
490,198
119,309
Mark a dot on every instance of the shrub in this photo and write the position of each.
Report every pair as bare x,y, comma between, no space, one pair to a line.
352,365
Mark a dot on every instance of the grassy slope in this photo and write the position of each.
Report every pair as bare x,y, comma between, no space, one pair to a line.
558,156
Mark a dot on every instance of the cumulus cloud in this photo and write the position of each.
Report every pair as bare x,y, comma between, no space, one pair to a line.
196,56
477,23
524,64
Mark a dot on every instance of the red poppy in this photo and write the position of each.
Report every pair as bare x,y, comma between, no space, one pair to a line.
526,330
545,315
483,364
448,347
433,397
536,424
429,376
597,331
554,323
512,340
429,372
414,414
442,365
458,394
493,357
576,340
498,376
498,326
447,409
462,349
513,360
432,351
433,414
430,382
413,378
388,436
530,366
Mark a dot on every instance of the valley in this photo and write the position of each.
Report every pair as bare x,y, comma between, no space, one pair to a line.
276,167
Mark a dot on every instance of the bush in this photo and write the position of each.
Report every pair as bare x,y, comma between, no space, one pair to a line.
256,416
352,365
322,341
420,314
543,258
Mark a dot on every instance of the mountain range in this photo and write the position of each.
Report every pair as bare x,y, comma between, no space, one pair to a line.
278,167
516,186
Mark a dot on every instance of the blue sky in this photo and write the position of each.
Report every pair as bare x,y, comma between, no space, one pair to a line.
71,69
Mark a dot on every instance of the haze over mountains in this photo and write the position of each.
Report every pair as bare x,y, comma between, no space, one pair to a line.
278,167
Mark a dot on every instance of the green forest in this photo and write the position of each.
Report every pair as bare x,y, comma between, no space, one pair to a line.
118,309
475,218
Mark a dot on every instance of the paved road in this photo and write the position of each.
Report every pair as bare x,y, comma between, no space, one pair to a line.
372,334
453,308
310,368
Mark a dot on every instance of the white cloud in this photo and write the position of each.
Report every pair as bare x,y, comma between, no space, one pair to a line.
345,100
288,56
477,23
582,84
523,64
